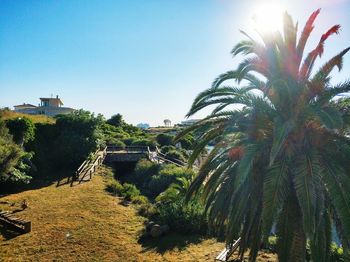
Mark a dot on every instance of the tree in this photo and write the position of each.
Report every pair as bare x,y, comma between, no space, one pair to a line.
116,120
22,130
281,157
79,134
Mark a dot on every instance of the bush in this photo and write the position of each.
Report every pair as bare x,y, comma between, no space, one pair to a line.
144,142
166,149
140,200
166,176
181,217
147,210
129,141
115,142
186,142
22,130
175,155
129,191
143,172
165,139
159,183
114,187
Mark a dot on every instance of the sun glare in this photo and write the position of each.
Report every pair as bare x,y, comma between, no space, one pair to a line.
267,17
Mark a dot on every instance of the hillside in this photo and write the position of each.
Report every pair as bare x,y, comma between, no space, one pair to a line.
6,114
85,223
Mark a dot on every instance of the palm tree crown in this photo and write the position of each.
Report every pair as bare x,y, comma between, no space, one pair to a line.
281,152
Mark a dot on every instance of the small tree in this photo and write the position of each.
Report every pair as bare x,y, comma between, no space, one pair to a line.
22,130
116,120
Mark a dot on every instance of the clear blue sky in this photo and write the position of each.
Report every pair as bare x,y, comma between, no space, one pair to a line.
144,59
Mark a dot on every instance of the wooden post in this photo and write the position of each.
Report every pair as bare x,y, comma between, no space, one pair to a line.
27,226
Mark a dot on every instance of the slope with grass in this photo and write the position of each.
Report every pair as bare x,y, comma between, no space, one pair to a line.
85,223
7,114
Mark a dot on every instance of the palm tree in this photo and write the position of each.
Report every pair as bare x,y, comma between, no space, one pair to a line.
281,156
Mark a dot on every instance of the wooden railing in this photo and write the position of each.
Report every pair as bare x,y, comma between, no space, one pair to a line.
90,166
128,149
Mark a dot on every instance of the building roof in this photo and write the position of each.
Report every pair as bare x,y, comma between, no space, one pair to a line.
25,105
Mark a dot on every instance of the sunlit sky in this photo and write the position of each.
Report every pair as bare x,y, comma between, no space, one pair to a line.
144,59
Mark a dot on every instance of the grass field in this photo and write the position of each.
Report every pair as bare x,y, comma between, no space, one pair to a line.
6,114
85,223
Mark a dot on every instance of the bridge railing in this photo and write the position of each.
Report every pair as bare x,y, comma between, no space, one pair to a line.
129,149
89,166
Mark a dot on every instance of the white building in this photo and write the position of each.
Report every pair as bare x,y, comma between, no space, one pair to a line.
47,106
189,122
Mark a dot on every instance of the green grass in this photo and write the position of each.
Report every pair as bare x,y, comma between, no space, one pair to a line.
86,223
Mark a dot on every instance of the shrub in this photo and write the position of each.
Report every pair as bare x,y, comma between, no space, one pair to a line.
175,155
116,120
159,183
22,130
140,200
147,210
114,187
167,175
144,142
165,139
143,172
166,149
129,141
181,217
116,142
129,191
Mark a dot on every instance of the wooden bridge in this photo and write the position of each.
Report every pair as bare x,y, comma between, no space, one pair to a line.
135,153
112,154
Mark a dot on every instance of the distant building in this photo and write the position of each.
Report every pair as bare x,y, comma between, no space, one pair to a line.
47,106
189,122
143,125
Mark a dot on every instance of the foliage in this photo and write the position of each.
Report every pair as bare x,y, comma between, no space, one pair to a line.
143,172
186,141
281,156
114,187
166,149
139,200
186,218
116,120
129,141
167,175
116,142
129,191
165,139
13,167
144,142
175,155
21,129
78,135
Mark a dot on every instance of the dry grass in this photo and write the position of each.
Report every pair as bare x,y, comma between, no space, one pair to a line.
84,223
5,114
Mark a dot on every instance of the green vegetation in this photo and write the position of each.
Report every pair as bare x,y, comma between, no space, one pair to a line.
85,223
21,129
13,159
281,158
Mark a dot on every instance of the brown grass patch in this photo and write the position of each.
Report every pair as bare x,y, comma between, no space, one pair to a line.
6,114
85,223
